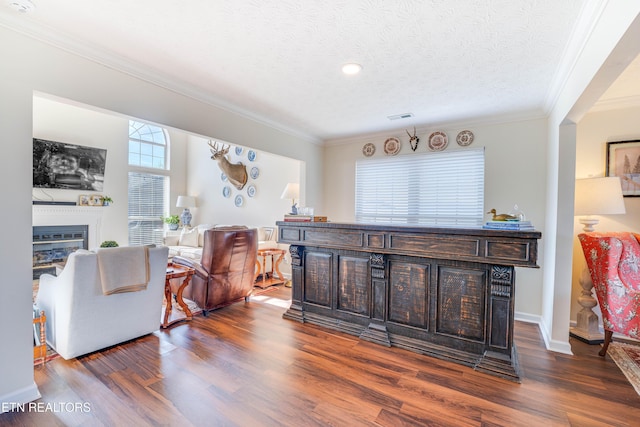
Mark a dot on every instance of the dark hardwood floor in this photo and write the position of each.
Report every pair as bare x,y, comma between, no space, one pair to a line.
244,365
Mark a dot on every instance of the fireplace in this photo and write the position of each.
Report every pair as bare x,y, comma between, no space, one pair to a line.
60,234
52,244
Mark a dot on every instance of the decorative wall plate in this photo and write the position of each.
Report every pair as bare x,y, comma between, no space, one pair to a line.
239,200
254,172
438,141
251,155
239,150
464,138
251,190
223,176
392,146
226,191
369,149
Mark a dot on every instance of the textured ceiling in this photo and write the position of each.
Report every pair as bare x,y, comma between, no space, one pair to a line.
279,61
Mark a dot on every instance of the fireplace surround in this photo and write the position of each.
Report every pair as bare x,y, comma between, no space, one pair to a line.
56,219
52,244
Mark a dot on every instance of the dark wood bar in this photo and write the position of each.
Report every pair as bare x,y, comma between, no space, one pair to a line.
442,292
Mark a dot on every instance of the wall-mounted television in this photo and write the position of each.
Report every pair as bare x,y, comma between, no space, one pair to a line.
68,166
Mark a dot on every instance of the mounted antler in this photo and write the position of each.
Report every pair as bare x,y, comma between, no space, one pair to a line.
236,173
413,139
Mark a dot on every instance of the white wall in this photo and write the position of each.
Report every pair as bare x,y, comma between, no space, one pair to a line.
593,133
30,66
612,45
514,174
205,183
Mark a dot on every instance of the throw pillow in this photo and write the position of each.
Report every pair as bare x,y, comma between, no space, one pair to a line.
189,237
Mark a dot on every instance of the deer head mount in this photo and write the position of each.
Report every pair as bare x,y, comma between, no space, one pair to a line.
236,173
413,139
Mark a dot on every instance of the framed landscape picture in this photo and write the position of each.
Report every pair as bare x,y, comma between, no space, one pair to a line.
623,160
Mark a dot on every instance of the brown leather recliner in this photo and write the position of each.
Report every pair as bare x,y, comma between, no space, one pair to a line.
226,271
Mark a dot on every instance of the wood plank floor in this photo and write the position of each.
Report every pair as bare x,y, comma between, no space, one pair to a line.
244,365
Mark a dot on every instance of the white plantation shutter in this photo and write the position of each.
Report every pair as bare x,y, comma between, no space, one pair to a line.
444,189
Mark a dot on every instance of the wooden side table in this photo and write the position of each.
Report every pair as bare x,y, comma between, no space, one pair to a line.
275,266
40,339
175,271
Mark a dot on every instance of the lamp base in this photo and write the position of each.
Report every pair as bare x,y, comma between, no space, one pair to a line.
589,223
186,217
294,209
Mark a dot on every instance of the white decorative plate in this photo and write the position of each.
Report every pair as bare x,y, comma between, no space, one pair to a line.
239,150
369,149
251,155
226,191
464,138
254,172
239,201
438,141
223,176
251,190
392,146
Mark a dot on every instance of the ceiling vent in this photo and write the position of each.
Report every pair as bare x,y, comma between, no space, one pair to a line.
400,116
22,6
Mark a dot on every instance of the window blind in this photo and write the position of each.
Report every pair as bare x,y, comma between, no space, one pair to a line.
444,189
147,195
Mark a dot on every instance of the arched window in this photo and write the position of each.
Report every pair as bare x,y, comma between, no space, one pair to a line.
147,145
148,182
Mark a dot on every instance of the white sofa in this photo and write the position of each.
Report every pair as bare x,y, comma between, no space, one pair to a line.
82,319
188,243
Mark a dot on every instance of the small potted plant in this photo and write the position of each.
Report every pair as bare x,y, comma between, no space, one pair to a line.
172,221
106,200
109,244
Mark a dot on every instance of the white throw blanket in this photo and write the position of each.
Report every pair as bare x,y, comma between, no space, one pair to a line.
123,269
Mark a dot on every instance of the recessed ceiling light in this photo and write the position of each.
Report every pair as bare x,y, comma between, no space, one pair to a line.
22,6
351,68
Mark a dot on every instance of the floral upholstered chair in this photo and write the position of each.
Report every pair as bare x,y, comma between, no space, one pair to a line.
614,263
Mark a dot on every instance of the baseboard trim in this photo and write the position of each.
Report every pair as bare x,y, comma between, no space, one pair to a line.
19,398
551,345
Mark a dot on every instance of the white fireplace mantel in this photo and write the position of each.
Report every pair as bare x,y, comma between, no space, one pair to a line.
71,215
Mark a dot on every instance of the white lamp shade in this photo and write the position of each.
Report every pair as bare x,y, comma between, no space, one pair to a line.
291,191
599,196
186,202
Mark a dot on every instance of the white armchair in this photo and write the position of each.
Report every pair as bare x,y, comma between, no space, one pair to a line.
82,319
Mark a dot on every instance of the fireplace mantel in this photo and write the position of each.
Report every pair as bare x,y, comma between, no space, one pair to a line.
71,215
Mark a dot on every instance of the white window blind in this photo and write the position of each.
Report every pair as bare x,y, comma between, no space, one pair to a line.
146,207
444,189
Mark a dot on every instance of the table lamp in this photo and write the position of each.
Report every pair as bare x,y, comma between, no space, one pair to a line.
186,202
292,191
594,196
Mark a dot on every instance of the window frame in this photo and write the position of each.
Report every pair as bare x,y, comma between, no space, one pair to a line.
399,190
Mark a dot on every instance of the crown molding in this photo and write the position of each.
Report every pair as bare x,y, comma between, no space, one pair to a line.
589,17
423,129
115,62
616,103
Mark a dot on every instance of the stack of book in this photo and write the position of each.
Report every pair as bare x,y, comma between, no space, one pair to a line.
305,218
509,225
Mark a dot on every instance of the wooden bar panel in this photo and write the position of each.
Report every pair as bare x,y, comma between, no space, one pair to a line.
408,293
461,303
435,245
317,278
340,239
446,293
353,285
